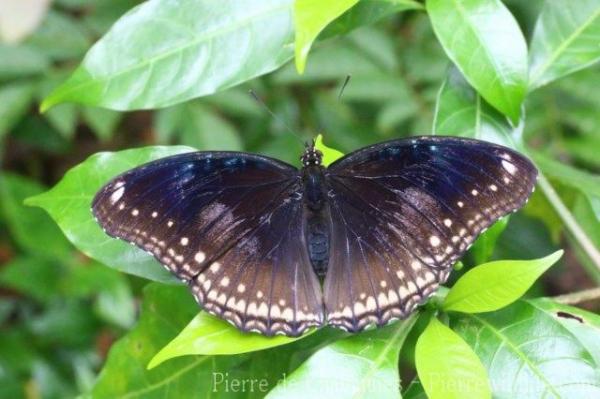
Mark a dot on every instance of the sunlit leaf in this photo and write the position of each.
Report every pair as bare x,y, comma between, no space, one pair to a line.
565,40
447,367
494,285
484,41
209,335
69,205
310,18
362,366
163,52
329,154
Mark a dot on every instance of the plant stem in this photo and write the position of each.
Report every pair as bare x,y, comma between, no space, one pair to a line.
570,223
578,297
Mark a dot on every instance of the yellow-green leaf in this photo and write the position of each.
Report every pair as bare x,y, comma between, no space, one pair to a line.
209,335
447,366
329,154
495,285
310,18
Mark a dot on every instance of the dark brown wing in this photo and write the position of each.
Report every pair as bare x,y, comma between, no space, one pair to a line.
403,212
228,224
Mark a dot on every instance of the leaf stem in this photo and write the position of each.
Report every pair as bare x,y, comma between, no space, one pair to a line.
570,223
578,297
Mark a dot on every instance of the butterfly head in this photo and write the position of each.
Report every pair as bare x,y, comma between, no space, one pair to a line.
311,155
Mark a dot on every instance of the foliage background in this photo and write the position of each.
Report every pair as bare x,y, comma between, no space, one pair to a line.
61,312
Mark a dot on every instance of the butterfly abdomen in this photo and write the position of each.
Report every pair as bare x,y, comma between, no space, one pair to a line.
317,229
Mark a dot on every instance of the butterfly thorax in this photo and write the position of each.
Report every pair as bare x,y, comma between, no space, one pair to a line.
317,228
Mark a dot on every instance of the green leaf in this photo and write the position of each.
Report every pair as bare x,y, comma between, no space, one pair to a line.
583,324
367,12
20,61
527,351
103,122
483,247
310,18
163,52
329,154
361,366
31,228
15,99
209,335
32,276
60,37
69,205
486,288
585,182
460,111
484,41
165,310
565,40
447,367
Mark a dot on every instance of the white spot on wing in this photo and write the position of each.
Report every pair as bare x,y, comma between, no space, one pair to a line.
114,197
434,241
199,257
510,168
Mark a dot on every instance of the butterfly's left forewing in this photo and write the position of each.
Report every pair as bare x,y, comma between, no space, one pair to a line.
403,212
228,224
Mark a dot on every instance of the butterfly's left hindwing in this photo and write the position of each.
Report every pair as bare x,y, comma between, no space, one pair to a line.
228,224
403,212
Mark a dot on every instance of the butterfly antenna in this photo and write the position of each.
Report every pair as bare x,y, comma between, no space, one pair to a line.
274,116
346,81
339,97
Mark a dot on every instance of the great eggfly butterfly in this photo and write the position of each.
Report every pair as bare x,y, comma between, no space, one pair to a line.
252,236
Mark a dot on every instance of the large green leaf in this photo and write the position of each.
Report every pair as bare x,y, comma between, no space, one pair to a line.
209,335
310,18
584,325
565,40
362,366
69,205
486,288
530,354
483,39
164,52
165,311
460,111
447,366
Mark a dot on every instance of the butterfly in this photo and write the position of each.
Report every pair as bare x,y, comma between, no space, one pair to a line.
253,236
